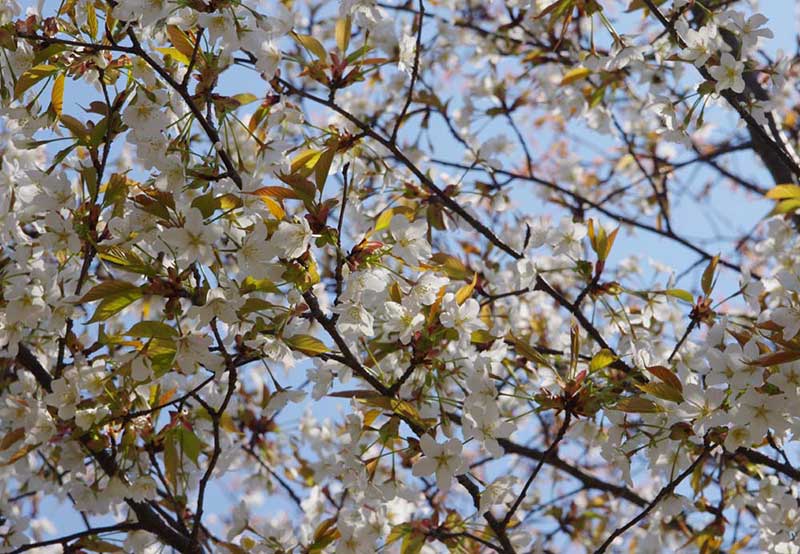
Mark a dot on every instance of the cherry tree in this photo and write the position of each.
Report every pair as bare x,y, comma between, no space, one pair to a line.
418,276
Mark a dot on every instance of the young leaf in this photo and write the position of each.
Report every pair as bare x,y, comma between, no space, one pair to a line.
33,76
343,32
57,95
115,304
707,281
306,344
602,359
152,329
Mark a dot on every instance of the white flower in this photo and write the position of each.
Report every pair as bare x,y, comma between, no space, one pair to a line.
398,319
291,240
193,242
410,242
750,30
485,425
728,74
465,318
354,320
568,237
701,44
445,460
408,48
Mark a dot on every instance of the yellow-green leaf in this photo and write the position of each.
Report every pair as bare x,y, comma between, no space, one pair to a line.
574,75
707,282
307,344
33,76
115,304
343,32
465,292
782,192
91,20
312,45
323,166
680,294
110,287
175,54
151,329
602,359
57,95
181,41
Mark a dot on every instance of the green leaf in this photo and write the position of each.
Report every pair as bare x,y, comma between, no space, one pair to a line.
152,329
413,542
127,261
307,344
680,294
602,359
33,76
110,287
191,445
312,45
115,304
171,458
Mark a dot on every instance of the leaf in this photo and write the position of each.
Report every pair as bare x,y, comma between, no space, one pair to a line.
680,294
74,126
115,304
11,437
707,282
175,54
33,76
413,542
782,192
127,261
91,21
181,41
383,220
307,344
152,329
776,358
191,445
21,453
662,391
107,288
667,376
251,284
602,359
312,45
303,164
452,266
281,193
323,166
343,33
465,292
575,75
170,458
57,95
636,405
